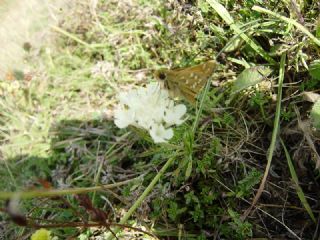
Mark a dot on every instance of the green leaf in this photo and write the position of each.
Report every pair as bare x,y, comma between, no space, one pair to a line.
250,77
233,45
41,234
314,69
315,114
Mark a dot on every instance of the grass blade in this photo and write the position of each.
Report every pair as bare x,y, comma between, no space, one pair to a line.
289,21
224,14
71,36
275,131
296,182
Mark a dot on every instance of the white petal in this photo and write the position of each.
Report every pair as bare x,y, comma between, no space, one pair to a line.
153,88
174,114
123,117
180,110
159,134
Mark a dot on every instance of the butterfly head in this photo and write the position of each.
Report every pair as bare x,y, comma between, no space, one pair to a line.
162,77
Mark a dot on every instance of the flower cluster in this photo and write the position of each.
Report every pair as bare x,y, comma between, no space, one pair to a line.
149,108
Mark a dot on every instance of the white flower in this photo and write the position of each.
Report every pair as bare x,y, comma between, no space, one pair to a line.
149,108
174,114
159,134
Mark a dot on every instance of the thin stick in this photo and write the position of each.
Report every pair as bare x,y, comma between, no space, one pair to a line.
60,192
86,225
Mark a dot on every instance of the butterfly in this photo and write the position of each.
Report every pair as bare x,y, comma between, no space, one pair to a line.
186,82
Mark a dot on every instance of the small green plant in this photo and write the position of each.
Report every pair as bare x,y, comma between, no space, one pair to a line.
245,186
240,229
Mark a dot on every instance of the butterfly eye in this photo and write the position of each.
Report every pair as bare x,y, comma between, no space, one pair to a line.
162,76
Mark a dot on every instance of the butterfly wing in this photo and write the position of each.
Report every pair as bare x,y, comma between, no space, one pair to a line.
191,80
186,82
188,94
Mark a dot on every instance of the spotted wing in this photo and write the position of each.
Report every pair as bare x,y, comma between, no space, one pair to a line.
186,82
191,80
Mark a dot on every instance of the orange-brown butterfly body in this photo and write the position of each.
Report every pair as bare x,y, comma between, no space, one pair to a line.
186,82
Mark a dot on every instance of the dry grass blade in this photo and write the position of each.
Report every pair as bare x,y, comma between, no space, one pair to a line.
306,132
60,192
71,36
